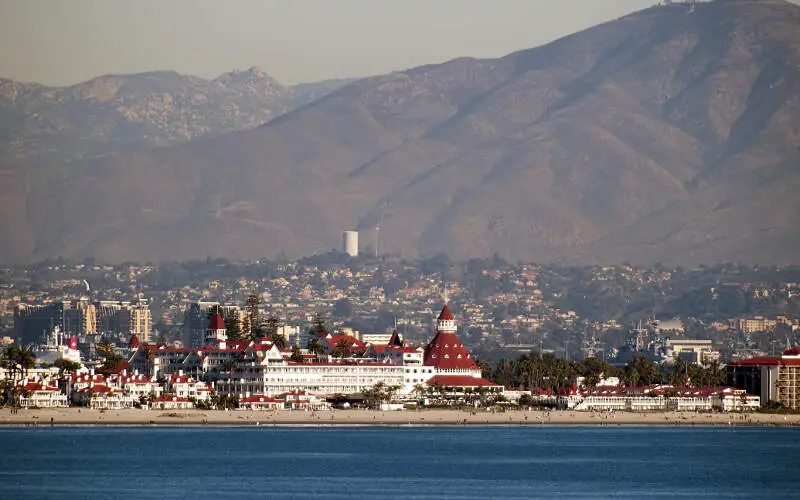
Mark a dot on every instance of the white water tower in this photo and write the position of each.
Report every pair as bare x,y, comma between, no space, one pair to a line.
350,243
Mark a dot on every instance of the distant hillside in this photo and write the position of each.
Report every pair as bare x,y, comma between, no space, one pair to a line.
667,135
117,113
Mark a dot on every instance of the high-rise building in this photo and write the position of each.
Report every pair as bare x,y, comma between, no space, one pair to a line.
33,323
124,318
80,318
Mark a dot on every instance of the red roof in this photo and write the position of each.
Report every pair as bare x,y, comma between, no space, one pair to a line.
217,323
446,314
34,386
395,339
134,342
767,361
260,398
447,352
794,351
460,381
352,342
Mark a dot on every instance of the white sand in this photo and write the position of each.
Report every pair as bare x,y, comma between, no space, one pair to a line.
83,416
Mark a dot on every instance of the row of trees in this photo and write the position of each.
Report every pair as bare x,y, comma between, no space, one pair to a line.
547,371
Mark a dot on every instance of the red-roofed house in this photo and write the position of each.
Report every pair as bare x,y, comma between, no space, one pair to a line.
331,342
261,402
172,402
185,386
37,395
103,397
136,385
304,400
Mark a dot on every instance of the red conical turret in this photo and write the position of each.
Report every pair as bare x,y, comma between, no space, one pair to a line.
446,351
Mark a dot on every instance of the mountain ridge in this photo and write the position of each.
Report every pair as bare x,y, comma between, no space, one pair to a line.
116,113
659,136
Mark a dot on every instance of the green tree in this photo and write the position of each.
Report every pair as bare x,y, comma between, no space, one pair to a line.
66,366
319,327
279,341
253,316
315,345
296,356
232,326
112,360
641,370
17,360
342,349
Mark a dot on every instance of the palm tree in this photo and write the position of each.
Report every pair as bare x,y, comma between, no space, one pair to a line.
419,391
17,360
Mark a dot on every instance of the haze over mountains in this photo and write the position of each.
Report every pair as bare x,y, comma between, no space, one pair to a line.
116,113
663,136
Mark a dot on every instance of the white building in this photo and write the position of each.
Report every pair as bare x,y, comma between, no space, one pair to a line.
38,395
350,243
445,364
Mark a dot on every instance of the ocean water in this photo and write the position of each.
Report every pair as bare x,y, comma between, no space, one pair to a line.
412,462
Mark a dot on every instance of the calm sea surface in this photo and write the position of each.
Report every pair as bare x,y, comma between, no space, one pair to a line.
448,462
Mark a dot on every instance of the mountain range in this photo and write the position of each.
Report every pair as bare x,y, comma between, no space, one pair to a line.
671,135
117,113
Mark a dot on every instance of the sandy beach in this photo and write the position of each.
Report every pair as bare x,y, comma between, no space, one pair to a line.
82,416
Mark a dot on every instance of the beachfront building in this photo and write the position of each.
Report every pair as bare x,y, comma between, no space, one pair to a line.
261,402
395,352
274,377
103,397
172,402
658,398
304,400
184,386
40,395
136,385
774,378
349,366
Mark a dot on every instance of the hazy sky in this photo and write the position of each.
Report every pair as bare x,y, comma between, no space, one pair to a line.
60,42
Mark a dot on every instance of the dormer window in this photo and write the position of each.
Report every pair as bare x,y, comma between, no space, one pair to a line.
446,356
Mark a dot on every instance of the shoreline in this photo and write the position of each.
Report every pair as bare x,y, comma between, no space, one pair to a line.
83,417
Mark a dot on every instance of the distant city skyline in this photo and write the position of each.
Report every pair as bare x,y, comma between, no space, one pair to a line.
63,43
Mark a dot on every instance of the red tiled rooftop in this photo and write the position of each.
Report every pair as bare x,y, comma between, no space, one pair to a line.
217,323
446,314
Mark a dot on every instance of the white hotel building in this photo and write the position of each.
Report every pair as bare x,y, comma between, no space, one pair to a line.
264,370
